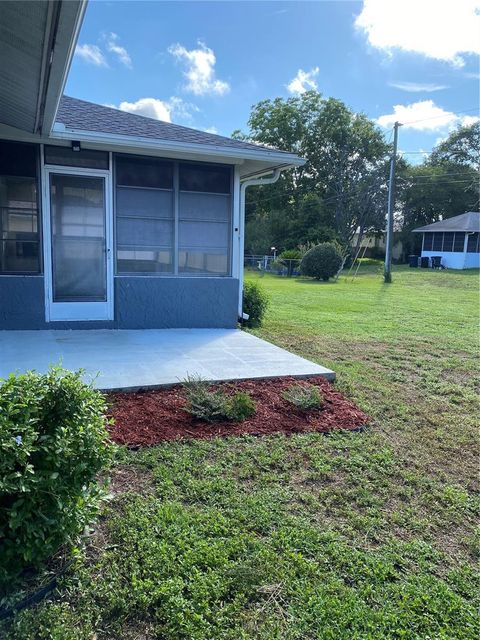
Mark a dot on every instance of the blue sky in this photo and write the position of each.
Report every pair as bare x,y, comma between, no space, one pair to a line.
204,64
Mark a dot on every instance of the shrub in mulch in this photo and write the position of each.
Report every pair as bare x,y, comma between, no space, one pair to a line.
146,418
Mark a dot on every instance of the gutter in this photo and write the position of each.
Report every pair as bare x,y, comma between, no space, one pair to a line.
244,184
60,132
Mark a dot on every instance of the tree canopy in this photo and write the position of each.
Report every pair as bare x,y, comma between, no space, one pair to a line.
343,186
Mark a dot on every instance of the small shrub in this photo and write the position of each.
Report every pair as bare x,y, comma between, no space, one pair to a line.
255,303
53,442
216,406
321,262
204,404
304,397
240,407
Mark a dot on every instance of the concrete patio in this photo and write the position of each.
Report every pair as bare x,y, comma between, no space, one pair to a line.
131,360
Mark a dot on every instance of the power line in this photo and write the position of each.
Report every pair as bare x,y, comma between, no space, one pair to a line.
455,113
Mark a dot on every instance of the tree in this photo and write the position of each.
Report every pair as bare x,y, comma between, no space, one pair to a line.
462,147
343,180
321,262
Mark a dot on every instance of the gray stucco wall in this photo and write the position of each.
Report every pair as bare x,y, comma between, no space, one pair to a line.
140,303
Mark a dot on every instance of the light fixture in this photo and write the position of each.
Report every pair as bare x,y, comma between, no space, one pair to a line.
76,145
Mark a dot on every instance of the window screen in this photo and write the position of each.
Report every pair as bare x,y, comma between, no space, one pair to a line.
144,215
205,211
205,178
86,158
427,241
473,243
437,241
19,220
448,241
137,171
459,242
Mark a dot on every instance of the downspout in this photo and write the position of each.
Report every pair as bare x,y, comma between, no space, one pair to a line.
253,182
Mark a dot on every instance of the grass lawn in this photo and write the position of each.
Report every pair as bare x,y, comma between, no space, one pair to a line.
352,536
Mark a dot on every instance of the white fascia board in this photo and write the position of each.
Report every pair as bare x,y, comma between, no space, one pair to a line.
71,19
137,142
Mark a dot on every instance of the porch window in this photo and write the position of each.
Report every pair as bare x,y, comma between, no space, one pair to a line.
427,241
172,217
145,218
448,241
204,219
437,241
459,242
19,219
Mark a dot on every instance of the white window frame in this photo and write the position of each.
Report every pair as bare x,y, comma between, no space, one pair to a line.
77,311
233,224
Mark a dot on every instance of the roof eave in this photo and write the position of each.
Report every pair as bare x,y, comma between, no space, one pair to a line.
123,141
59,60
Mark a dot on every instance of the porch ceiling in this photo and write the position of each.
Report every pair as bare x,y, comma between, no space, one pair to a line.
37,39
135,359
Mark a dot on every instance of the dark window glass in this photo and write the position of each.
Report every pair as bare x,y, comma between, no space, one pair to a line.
86,158
472,245
459,242
437,241
134,171
448,241
427,241
19,233
17,159
206,178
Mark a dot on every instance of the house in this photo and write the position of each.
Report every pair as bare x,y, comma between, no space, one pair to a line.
110,219
455,240
373,245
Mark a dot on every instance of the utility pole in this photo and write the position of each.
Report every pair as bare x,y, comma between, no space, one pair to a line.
387,275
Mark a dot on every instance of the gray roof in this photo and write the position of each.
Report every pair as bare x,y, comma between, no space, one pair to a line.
469,221
88,116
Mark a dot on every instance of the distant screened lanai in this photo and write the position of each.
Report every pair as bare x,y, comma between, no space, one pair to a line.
456,240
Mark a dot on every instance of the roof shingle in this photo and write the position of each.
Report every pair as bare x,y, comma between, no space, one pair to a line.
469,221
88,116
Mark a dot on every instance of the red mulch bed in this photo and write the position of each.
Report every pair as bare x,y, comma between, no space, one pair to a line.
146,418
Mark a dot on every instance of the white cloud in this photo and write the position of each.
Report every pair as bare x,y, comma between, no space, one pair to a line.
211,130
121,53
92,54
418,87
440,29
159,109
423,116
303,81
200,70
467,121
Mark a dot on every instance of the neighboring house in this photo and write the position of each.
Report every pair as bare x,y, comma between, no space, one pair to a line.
109,219
455,239
373,245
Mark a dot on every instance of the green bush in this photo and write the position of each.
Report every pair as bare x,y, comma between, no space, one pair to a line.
321,262
291,254
204,404
304,397
216,406
53,442
255,303
240,407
